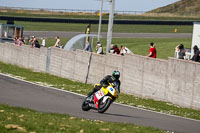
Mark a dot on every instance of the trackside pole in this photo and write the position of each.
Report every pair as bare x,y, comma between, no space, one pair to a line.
100,19
110,25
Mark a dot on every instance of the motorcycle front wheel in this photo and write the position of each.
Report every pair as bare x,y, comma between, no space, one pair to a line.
85,105
104,106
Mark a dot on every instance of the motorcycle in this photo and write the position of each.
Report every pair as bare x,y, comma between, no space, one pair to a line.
102,99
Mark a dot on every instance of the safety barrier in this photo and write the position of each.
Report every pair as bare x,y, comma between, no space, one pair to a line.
96,21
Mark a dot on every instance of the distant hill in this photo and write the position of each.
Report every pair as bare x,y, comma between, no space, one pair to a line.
182,6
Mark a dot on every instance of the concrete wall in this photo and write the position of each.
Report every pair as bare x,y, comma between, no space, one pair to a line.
183,83
69,64
144,76
175,81
24,56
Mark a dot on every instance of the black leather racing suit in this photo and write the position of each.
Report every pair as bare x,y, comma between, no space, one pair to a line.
105,82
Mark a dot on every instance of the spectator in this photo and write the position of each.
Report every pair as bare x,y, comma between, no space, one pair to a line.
36,43
116,50
88,46
196,56
43,42
99,48
111,49
181,51
15,41
58,42
23,40
20,42
125,50
31,41
152,50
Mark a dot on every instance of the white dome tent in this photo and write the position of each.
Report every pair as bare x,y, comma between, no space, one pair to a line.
78,42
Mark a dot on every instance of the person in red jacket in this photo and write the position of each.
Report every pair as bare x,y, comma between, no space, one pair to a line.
152,50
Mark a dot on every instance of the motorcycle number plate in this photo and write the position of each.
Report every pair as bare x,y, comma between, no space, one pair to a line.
112,90
99,94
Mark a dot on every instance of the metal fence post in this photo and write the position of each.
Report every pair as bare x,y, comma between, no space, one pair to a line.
88,70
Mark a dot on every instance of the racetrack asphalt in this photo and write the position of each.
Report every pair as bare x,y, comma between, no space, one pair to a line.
20,93
104,35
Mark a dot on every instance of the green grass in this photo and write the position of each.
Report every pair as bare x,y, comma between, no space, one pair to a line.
51,41
61,83
17,120
165,46
29,26
119,28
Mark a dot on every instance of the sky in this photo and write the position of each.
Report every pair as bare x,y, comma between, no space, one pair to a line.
120,5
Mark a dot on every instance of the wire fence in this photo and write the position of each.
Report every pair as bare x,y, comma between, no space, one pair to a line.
180,14
71,10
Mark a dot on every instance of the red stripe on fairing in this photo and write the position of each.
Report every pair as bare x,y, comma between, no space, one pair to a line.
96,101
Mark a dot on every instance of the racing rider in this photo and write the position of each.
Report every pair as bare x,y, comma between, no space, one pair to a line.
114,79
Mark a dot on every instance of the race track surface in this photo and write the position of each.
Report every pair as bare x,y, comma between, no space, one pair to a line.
23,94
104,35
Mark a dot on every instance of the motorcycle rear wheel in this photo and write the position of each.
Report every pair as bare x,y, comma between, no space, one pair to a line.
104,106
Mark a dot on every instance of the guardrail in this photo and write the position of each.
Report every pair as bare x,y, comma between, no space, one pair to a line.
95,21
71,10
121,12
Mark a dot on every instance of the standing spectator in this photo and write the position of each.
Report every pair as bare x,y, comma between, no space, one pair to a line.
196,56
88,46
152,50
43,42
99,48
58,42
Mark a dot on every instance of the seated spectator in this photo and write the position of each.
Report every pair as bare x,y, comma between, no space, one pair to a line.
23,40
116,50
181,51
43,42
58,42
99,48
31,41
36,43
111,49
125,50
196,56
15,41
20,42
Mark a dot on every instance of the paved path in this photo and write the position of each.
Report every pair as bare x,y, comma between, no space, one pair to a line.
19,93
115,35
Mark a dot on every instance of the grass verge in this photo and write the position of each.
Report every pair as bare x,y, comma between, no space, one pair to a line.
118,28
14,119
165,46
61,83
